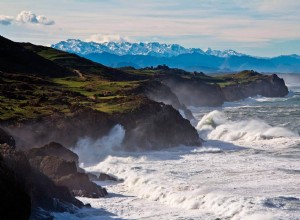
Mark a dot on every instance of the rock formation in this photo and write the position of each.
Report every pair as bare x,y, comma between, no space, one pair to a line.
268,86
27,191
61,166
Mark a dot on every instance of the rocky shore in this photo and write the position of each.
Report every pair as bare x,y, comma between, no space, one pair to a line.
41,180
47,108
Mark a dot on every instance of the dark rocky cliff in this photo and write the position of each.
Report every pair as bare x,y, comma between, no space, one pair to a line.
194,92
268,86
201,90
155,126
151,125
159,92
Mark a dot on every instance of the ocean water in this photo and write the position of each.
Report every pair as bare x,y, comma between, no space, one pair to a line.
248,167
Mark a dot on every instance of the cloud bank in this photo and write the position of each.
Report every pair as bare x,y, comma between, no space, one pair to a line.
6,20
26,17
101,38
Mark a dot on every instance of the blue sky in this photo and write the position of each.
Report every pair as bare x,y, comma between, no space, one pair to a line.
256,27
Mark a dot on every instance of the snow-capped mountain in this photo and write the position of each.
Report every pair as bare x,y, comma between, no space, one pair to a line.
224,53
122,54
126,48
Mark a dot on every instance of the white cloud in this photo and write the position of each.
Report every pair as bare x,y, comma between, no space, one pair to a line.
101,38
6,20
30,17
44,20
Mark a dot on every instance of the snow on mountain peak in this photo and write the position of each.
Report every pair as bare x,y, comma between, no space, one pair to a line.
224,53
128,48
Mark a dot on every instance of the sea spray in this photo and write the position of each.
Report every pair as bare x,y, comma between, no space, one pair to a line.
93,151
216,126
145,177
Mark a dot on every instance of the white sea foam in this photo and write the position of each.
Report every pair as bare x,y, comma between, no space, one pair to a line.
215,125
200,182
92,151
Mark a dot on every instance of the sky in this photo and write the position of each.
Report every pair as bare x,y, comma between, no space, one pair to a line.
256,27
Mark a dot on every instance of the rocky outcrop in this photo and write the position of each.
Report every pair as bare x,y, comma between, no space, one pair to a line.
264,85
67,130
194,92
61,166
159,92
33,191
154,126
151,125
197,91
53,149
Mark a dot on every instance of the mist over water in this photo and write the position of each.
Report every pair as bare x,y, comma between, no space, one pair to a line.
92,151
248,168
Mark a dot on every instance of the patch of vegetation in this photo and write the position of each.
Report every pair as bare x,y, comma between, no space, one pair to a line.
22,99
241,78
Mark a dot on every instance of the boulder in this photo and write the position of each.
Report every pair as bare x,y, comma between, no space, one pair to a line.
55,167
80,185
53,149
104,177
27,182
61,167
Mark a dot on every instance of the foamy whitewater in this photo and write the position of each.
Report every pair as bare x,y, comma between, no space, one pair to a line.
248,168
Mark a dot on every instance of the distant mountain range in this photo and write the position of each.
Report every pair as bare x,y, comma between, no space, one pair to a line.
139,55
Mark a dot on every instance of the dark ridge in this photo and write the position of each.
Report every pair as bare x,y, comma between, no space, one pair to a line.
14,58
79,64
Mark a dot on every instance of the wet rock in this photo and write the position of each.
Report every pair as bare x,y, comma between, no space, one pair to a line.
80,185
61,166
43,193
53,149
104,177
155,126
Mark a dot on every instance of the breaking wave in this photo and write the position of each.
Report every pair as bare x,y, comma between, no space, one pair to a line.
92,151
216,126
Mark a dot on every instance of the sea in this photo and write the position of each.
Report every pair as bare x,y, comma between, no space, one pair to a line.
248,167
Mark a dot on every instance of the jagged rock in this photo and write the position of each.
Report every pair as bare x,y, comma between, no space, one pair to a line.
55,167
27,191
62,167
154,126
159,92
104,177
80,185
53,149
92,177
43,193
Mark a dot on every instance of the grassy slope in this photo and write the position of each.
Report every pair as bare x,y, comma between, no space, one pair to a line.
22,100
26,96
